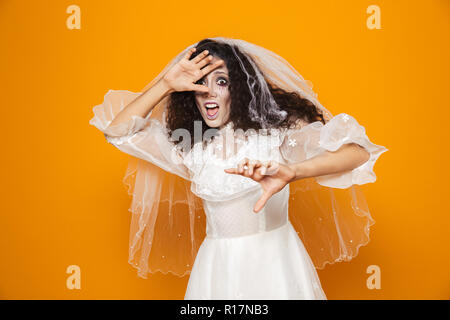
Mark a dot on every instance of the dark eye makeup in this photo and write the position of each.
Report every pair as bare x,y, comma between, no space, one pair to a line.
218,79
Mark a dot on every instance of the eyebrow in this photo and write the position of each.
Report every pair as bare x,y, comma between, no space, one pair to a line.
218,71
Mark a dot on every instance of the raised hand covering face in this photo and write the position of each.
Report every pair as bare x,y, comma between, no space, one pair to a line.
214,105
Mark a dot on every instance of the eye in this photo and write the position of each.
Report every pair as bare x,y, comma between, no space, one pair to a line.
199,81
224,83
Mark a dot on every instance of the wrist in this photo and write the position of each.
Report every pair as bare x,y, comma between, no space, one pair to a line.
299,171
165,88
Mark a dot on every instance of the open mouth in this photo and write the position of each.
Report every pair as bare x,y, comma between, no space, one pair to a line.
212,110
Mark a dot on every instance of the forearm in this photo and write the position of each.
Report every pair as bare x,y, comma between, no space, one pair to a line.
348,157
143,104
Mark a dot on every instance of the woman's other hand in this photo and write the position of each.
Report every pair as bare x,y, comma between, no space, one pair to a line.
271,175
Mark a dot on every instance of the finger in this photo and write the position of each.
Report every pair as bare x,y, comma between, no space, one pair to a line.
272,168
258,164
231,170
204,61
198,88
266,168
257,176
266,163
241,165
263,169
245,171
200,56
189,53
251,165
261,201
260,172
211,67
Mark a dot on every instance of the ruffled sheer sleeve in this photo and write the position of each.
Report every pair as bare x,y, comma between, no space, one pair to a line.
143,138
315,138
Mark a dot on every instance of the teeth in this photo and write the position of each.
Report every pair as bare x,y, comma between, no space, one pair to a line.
211,105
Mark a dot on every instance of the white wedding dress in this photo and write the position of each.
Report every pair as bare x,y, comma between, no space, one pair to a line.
245,255
252,256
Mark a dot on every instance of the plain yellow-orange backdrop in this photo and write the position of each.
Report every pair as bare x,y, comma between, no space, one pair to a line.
62,199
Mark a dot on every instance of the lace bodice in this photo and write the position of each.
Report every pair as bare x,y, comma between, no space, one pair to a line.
234,218
229,199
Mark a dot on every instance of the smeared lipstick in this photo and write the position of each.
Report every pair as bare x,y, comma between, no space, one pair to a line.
212,110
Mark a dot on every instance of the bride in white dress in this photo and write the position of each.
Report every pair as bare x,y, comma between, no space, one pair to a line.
205,145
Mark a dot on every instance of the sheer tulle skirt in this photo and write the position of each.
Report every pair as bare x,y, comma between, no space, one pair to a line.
265,266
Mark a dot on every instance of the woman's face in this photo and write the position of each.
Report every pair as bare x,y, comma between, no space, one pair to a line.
215,114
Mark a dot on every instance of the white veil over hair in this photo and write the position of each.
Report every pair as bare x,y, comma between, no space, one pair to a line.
168,223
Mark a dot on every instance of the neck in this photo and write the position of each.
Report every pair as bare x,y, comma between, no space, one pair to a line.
229,124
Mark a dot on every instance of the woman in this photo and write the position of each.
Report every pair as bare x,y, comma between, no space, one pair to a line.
239,124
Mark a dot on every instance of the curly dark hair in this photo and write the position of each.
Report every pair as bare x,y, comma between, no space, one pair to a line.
182,109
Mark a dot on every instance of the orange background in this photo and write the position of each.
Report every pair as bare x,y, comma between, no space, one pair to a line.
62,199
